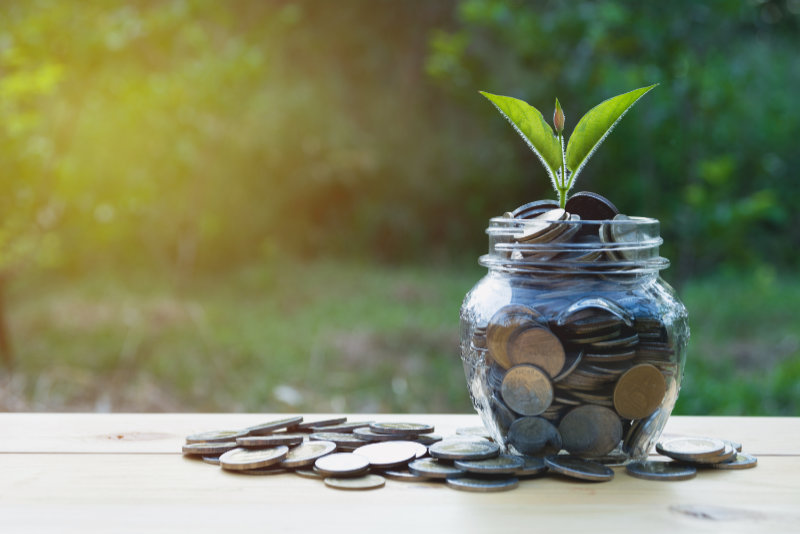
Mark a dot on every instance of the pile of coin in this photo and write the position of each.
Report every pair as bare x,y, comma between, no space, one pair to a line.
468,460
583,369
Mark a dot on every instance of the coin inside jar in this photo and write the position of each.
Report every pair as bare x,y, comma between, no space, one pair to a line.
590,431
639,391
502,325
538,346
527,390
534,435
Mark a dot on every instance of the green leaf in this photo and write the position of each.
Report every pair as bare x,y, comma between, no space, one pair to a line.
530,124
595,126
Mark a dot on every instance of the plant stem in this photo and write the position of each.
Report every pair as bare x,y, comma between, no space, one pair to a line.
562,189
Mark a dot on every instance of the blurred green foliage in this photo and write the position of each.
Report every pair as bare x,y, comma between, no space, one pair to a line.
192,134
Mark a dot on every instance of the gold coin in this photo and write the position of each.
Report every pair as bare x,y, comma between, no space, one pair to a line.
537,346
639,391
307,453
527,390
502,325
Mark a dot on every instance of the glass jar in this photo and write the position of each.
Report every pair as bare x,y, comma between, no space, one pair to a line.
572,341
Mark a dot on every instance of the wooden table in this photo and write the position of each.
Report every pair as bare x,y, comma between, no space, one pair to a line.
125,473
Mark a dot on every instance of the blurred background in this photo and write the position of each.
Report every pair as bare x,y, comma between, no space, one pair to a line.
279,205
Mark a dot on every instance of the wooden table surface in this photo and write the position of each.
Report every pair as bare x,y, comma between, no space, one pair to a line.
125,473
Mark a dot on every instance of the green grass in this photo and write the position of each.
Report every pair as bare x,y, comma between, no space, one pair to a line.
339,336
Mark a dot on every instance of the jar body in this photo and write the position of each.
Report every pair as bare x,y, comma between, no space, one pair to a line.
582,352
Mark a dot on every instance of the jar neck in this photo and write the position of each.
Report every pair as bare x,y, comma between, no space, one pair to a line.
618,249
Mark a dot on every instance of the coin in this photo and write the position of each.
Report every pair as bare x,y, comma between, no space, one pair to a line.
433,468
341,427
537,226
208,448
482,485
579,468
591,206
272,426
367,434
238,459
213,460
739,461
590,430
264,471
270,441
403,429
531,466
534,435
464,450
426,439
402,475
307,453
639,391
341,464
499,465
388,453
341,439
308,473
735,444
479,431
538,346
691,448
727,454
502,325
215,436
365,482
656,470
527,390
309,425
534,209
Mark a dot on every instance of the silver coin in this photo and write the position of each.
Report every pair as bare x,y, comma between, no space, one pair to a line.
270,441
341,439
366,482
479,431
264,471
691,448
531,466
272,426
215,436
427,439
367,434
213,460
656,470
464,450
503,464
307,453
740,461
590,430
340,464
402,475
534,435
308,425
482,485
308,473
432,468
341,427
389,453
239,459
205,449
579,468
402,429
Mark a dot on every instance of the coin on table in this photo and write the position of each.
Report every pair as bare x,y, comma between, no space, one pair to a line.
728,454
308,473
639,391
238,459
270,441
366,482
386,454
538,346
263,471
579,468
464,449
213,460
341,439
402,475
215,436
307,453
534,435
590,430
657,470
426,439
272,426
206,449
502,464
403,429
531,466
691,448
433,468
739,461
482,485
341,464
367,434
479,431
735,444
527,390
306,426
345,427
